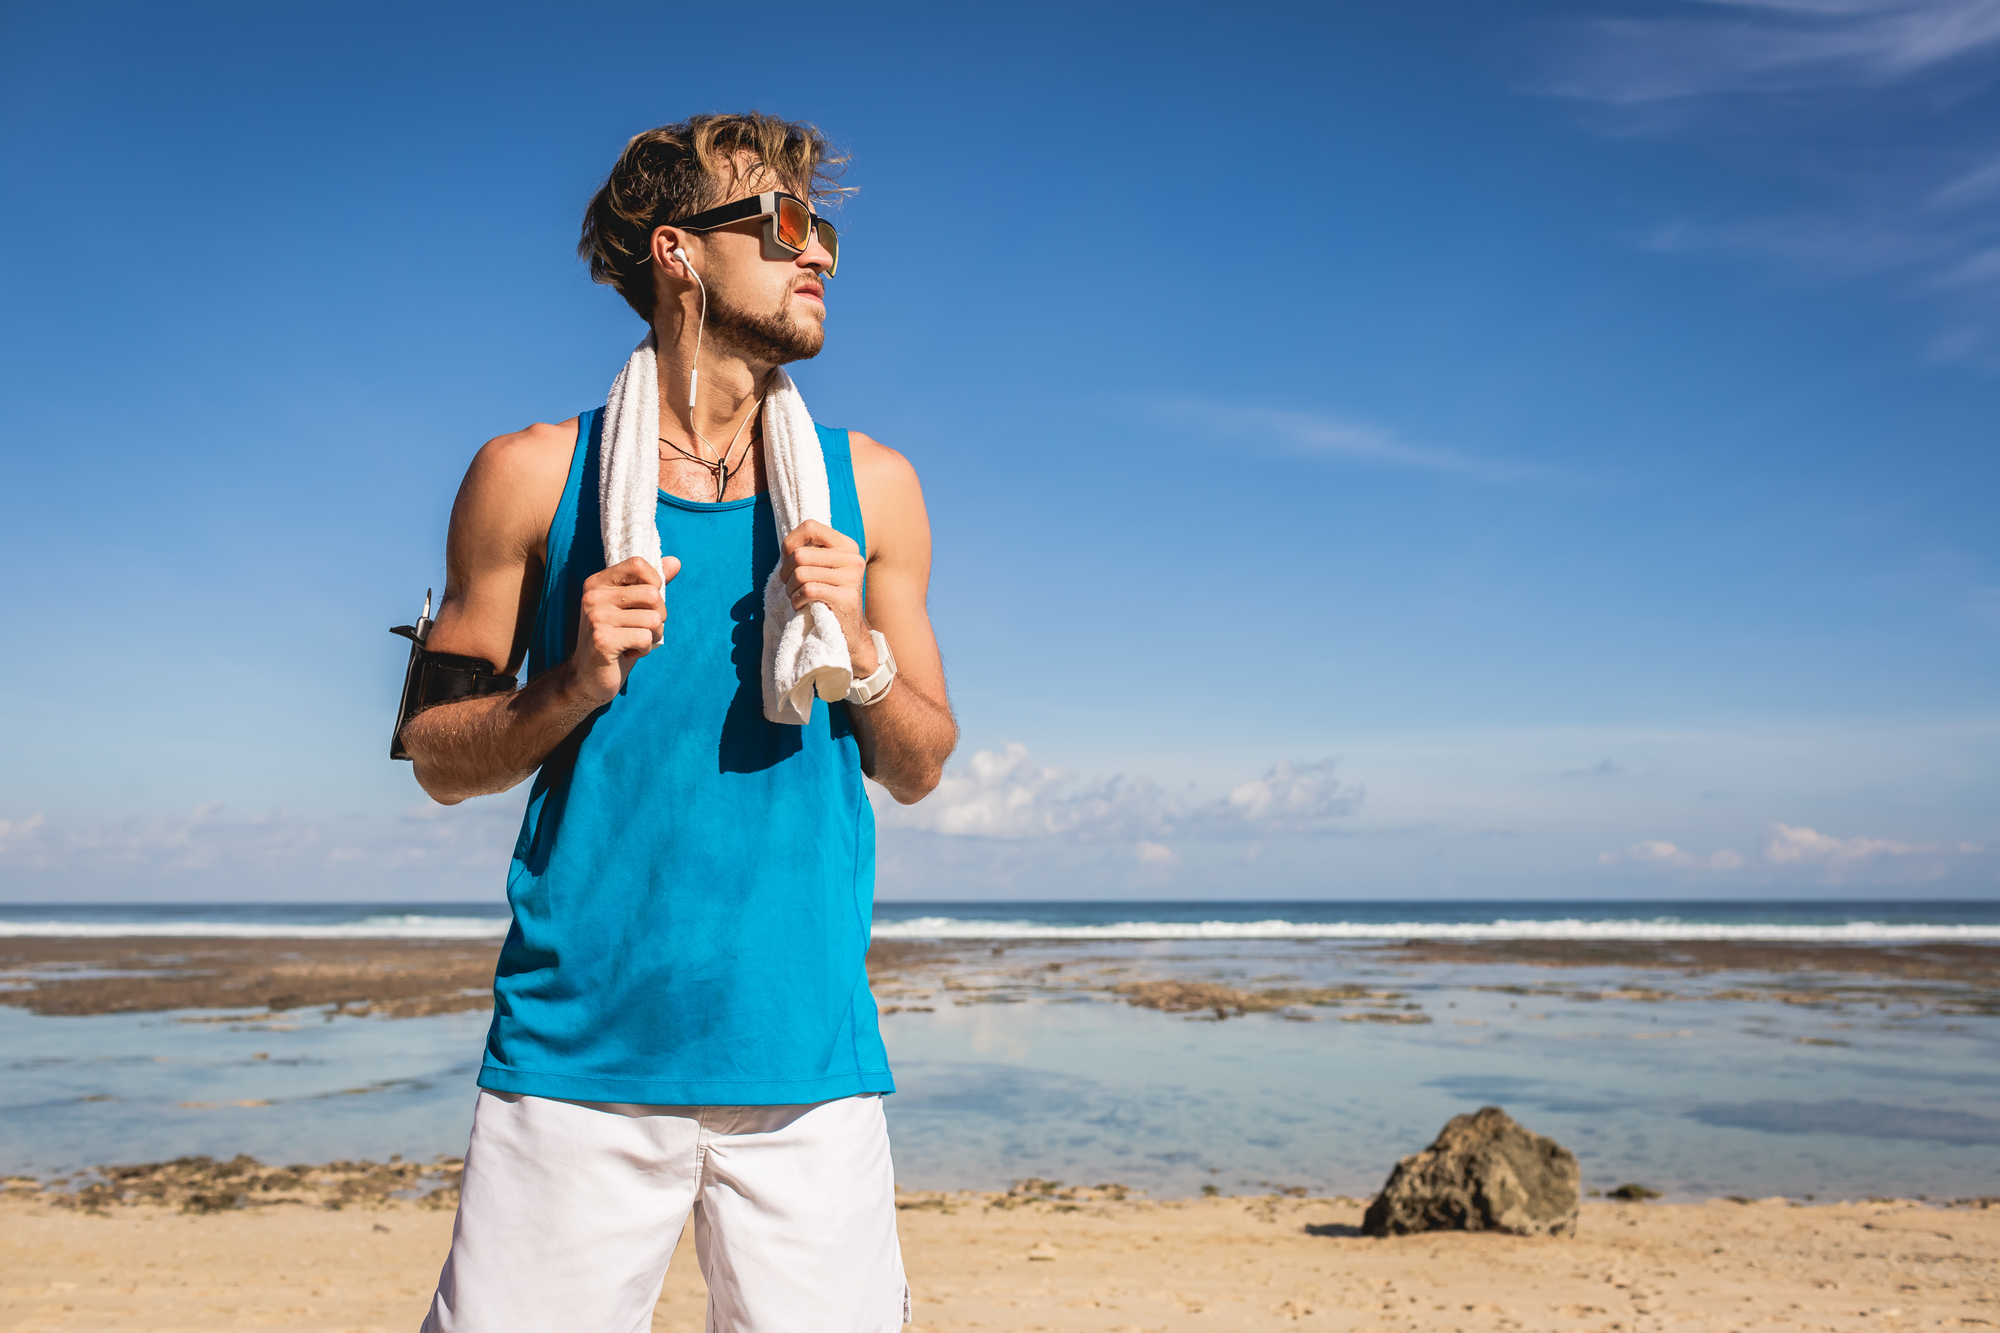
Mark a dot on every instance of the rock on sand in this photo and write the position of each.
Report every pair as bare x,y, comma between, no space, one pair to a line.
1484,1173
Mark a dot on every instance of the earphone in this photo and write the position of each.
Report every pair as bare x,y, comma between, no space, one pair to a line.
694,375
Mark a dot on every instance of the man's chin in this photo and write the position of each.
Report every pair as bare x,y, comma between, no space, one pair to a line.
810,344
771,339
801,342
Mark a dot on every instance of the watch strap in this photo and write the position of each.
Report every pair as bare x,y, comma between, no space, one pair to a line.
871,689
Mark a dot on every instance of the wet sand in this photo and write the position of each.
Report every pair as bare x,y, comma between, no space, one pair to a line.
1972,963
411,978
1083,1264
390,978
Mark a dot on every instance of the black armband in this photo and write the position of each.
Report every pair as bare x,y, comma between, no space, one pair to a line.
438,678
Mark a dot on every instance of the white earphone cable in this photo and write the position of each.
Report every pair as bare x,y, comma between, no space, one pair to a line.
694,372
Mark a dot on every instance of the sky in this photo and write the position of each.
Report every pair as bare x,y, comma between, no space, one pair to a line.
1384,450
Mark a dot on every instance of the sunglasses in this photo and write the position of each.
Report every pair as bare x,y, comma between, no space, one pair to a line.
789,225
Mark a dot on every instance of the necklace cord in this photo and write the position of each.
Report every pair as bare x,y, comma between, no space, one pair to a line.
720,468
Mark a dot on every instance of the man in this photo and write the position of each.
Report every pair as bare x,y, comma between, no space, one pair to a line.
682,1024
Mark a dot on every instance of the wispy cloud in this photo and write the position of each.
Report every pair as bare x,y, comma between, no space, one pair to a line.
1973,187
1791,83
1773,46
1320,435
1826,247
275,846
1005,795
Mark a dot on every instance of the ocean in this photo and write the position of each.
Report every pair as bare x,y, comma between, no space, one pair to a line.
1828,921
1020,1056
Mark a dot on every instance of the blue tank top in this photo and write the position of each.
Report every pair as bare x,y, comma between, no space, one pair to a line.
693,885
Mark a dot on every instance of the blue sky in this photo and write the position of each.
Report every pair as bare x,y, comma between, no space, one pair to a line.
1442,450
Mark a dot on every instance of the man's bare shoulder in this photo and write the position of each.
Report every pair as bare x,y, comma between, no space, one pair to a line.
514,484
892,501
878,467
524,457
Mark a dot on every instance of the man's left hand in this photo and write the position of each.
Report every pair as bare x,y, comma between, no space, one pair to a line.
822,565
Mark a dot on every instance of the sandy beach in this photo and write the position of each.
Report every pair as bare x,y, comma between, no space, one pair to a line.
1084,1264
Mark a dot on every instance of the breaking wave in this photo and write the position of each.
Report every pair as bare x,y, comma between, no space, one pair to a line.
363,928
1851,932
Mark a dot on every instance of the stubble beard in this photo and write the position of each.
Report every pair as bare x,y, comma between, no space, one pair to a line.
776,338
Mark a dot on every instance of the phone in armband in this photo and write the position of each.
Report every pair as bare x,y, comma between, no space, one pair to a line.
438,678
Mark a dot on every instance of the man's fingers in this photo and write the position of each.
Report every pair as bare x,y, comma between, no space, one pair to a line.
825,556
623,595
814,533
636,570
829,577
808,592
610,641
636,617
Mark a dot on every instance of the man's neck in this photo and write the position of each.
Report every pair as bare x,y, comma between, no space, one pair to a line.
728,386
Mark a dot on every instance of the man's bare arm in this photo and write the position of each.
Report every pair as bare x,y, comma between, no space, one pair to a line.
906,736
493,573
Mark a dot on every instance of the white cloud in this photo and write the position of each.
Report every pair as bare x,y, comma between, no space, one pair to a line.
1005,795
1659,853
1791,846
1156,854
1785,845
1287,799
18,832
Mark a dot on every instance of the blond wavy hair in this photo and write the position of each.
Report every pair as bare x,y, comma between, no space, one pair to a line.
678,170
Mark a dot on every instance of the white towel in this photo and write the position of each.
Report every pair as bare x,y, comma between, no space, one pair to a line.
804,651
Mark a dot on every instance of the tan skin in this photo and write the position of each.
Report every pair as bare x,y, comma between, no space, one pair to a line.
497,549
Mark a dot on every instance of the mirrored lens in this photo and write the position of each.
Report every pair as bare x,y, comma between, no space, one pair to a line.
794,223
829,238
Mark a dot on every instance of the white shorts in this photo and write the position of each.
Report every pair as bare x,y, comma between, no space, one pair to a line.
571,1210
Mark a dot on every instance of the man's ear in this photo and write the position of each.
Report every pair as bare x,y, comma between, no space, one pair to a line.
666,240
670,275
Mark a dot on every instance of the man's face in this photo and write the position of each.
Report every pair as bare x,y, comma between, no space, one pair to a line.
769,311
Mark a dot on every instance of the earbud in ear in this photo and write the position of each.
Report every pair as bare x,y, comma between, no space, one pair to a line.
682,255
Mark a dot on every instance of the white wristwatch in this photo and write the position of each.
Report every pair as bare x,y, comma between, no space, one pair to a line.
869,690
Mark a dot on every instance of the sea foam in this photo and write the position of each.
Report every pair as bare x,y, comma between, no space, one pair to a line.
364,928
1852,932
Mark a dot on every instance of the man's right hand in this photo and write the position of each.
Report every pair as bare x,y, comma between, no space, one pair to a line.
624,608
